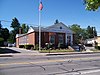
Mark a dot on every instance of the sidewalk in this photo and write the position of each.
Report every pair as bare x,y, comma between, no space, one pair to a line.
36,53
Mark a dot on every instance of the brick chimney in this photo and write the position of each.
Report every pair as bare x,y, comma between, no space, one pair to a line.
20,30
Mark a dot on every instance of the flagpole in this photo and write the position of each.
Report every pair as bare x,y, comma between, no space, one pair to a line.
39,28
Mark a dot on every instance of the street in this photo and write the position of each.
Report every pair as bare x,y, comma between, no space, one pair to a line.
75,64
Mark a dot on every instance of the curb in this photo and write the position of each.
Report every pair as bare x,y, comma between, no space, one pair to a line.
6,55
45,54
71,53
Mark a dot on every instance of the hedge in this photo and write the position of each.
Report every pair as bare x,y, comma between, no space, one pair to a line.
97,47
29,46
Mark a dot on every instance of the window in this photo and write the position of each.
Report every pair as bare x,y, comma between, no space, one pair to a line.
60,27
68,40
61,40
52,39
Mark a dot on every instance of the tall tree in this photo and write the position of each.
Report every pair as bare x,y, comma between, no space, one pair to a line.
11,38
15,25
92,4
95,32
0,29
5,33
91,32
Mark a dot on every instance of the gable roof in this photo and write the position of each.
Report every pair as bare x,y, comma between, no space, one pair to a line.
59,27
36,29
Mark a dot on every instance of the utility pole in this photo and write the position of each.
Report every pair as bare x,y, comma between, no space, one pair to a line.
93,36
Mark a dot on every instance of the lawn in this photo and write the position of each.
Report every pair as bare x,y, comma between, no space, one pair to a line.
56,51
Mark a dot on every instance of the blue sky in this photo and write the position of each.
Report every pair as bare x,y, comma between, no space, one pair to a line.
67,11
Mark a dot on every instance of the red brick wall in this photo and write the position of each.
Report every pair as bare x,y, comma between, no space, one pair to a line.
56,37
17,42
44,38
31,38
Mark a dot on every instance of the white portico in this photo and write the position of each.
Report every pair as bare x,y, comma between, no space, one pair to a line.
62,28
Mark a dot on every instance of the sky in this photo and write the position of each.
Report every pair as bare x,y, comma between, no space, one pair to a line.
67,11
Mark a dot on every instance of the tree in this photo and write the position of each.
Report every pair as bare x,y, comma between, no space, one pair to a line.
83,34
5,33
0,29
95,32
78,32
92,4
91,32
15,25
1,41
0,25
11,38
25,28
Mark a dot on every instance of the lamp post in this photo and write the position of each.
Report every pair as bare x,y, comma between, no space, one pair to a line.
93,36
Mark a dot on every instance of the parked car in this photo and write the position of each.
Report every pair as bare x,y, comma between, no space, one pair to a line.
9,45
14,44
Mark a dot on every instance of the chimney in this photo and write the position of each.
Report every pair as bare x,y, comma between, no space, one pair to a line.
20,30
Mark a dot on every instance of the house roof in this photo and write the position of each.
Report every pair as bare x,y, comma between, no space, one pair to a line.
58,27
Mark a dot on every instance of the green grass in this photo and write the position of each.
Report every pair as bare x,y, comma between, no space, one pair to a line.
55,51
95,50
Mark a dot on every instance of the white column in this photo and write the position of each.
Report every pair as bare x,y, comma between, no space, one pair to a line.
71,39
66,38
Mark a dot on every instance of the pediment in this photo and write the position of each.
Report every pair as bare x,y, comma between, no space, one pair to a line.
59,27
30,30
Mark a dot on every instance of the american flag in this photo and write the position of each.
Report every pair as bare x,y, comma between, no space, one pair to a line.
40,6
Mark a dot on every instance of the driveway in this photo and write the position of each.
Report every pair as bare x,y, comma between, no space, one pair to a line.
13,51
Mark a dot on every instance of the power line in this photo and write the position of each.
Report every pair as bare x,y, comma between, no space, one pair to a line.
20,23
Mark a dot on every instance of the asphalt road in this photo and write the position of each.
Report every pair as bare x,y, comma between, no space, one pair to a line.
76,64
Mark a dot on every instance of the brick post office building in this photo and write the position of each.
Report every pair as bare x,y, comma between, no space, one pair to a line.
55,34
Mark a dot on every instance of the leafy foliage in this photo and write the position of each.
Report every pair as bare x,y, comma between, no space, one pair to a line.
4,34
91,32
82,34
25,28
15,25
92,4
0,25
78,32
1,41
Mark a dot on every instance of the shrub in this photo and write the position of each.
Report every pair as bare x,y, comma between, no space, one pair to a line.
28,46
36,47
49,46
97,47
1,41
89,45
21,46
60,46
